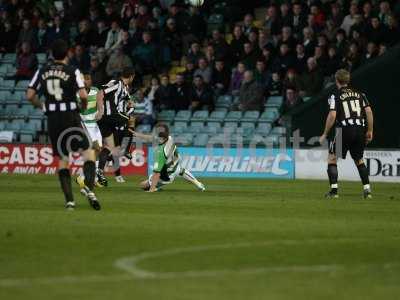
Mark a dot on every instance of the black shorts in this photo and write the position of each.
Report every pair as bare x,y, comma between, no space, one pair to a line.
111,125
66,133
347,139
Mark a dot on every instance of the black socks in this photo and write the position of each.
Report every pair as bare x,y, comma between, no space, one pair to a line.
89,171
333,176
65,181
103,156
363,171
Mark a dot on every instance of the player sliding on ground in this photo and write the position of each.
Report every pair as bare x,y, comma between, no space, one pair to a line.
350,111
166,161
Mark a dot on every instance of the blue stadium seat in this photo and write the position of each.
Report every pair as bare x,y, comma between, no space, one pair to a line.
263,129
144,128
35,125
183,116
11,110
213,128
230,127
269,116
224,101
4,96
42,58
278,130
179,127
26,138
9,58
250,116
201,140
7,85
166,116
217,116
2,126
22,85
196,127
37,114
274,102
185,139
233,116
246,129
200,115
13,126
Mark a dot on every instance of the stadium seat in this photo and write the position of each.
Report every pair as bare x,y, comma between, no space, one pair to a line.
250,116
11,110
224,101
42,58
233,116
200,140
2,126
278,130
217,116
179,127
4,96
230,127
196,127
269,116
200,115
183,116
35,125
37,114
185,139
263,129
274,102
26,137
166,116
213,128
22,85
9,58
4,69
144,128
218,140
7,85
246,129
273,140
13,126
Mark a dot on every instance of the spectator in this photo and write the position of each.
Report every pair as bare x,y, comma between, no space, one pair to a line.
152,89
284,60
117,62
101,34
98,74
164,96
272,22
143,17
298,21
393,32
145,55
320,56
336,16
300,61
220,46
210,55
172,39
8,41
384,12
247,24
143,112
126,43
367,11
287,38
285,14
237,44
291,100
250,55
194,53
341,43
261,75
251,95
81,59
110,15
333,63
203,70
27,34
57,30
311,81
291,80
237,78
265,40
194,27
202,95
308,41
221,77
275,85
350,19
353,59
182,93
371,53
85,36
41,35
134,32
114,37
26,63
188,74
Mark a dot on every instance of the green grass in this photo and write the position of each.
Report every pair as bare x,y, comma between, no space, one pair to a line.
279,240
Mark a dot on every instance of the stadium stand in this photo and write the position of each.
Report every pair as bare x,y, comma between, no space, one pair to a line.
283,35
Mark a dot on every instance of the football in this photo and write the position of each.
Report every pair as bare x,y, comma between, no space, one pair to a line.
196,3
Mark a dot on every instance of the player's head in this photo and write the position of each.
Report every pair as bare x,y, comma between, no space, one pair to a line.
342,77
128,74
87,78
162,132
59,49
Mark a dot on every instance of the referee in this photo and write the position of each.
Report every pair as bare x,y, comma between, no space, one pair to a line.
113,114
60,84
351,115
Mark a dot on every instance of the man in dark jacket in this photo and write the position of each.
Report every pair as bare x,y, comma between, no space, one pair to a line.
251,95
181,93
221,77
202,95
311,81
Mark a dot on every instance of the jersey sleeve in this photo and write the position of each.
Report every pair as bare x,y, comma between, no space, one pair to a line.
365,102
35,82
79,79
110,87
159,160
332,102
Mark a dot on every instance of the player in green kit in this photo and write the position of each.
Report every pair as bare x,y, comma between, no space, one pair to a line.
166,162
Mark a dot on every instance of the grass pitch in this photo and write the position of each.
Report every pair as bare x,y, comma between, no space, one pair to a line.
241,239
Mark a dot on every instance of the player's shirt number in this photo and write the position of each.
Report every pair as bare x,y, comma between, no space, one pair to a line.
54,89
354,107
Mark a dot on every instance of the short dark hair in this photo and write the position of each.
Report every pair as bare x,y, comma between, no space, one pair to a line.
128,72
59,49
162,130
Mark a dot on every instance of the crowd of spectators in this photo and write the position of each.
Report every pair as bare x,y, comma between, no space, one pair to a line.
288,52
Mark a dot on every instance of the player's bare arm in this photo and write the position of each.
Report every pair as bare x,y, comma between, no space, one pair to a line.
100,105
370,120
33,98
83,95
330,121
144,137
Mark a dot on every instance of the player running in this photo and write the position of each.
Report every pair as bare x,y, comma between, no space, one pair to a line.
60,83
113,109
351,114
166,162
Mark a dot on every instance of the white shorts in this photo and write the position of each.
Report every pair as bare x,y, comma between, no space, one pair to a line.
171,177
94,133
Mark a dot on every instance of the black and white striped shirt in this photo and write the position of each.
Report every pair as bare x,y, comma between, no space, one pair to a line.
349,105
116,98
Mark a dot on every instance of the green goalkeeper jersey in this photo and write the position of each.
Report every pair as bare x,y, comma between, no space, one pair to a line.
88,115
166,159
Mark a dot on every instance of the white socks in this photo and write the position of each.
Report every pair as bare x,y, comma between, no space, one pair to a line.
189,177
